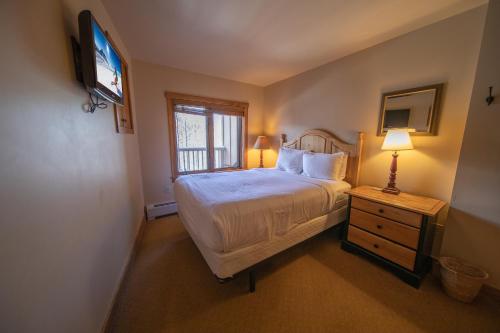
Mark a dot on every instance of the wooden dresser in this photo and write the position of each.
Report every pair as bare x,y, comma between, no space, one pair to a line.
394,230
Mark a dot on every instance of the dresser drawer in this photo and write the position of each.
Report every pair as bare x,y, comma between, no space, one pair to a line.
395,231
393,213
384,248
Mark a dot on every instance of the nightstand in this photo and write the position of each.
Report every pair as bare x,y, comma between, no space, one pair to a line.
395,231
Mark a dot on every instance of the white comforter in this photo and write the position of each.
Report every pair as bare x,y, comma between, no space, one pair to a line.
231,210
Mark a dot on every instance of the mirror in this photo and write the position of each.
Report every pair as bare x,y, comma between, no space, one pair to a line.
416,109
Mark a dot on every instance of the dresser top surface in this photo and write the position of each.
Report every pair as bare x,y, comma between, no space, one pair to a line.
415,203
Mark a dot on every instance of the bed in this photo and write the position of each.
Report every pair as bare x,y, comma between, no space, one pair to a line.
238,219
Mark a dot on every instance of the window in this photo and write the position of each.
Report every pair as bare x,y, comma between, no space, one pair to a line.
206,134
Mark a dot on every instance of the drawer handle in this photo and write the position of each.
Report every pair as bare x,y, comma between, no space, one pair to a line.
381,210
375,246
379,226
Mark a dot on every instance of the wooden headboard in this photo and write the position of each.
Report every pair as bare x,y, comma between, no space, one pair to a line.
320,141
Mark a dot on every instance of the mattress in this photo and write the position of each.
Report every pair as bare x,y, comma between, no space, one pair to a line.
226,265
229,211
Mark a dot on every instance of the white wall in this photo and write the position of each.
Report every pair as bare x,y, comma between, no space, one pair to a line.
344,97
70,187
151,83
473,226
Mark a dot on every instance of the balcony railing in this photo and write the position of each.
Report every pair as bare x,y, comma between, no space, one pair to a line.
196,159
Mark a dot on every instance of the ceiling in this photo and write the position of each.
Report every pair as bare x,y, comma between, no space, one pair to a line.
264,41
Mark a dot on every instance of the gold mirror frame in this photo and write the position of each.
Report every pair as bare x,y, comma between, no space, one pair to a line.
433,118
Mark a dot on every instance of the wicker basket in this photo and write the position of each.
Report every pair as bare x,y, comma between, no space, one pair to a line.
461,280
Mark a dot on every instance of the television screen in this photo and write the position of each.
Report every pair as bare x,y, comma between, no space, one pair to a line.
108,64
101,65
399,118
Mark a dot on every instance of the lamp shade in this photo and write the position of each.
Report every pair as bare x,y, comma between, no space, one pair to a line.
397,139
261,143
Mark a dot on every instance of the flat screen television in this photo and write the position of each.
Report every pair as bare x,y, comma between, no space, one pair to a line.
100,63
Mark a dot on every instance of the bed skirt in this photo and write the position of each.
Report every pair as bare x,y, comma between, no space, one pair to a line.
225,265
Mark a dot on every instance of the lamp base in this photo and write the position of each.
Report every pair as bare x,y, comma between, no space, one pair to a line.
391,190
391,185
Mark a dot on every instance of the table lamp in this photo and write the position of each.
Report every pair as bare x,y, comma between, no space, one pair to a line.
395,140
261,144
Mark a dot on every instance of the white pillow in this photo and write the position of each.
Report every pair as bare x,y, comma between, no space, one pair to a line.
343,168
290,160
323,166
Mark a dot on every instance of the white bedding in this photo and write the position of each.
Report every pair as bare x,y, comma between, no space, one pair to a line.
231,210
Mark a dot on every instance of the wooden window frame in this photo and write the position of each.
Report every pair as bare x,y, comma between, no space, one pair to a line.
213,105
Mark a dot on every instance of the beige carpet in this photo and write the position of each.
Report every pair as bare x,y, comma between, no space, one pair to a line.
313,287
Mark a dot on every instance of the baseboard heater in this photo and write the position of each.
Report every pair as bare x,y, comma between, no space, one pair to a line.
154,211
